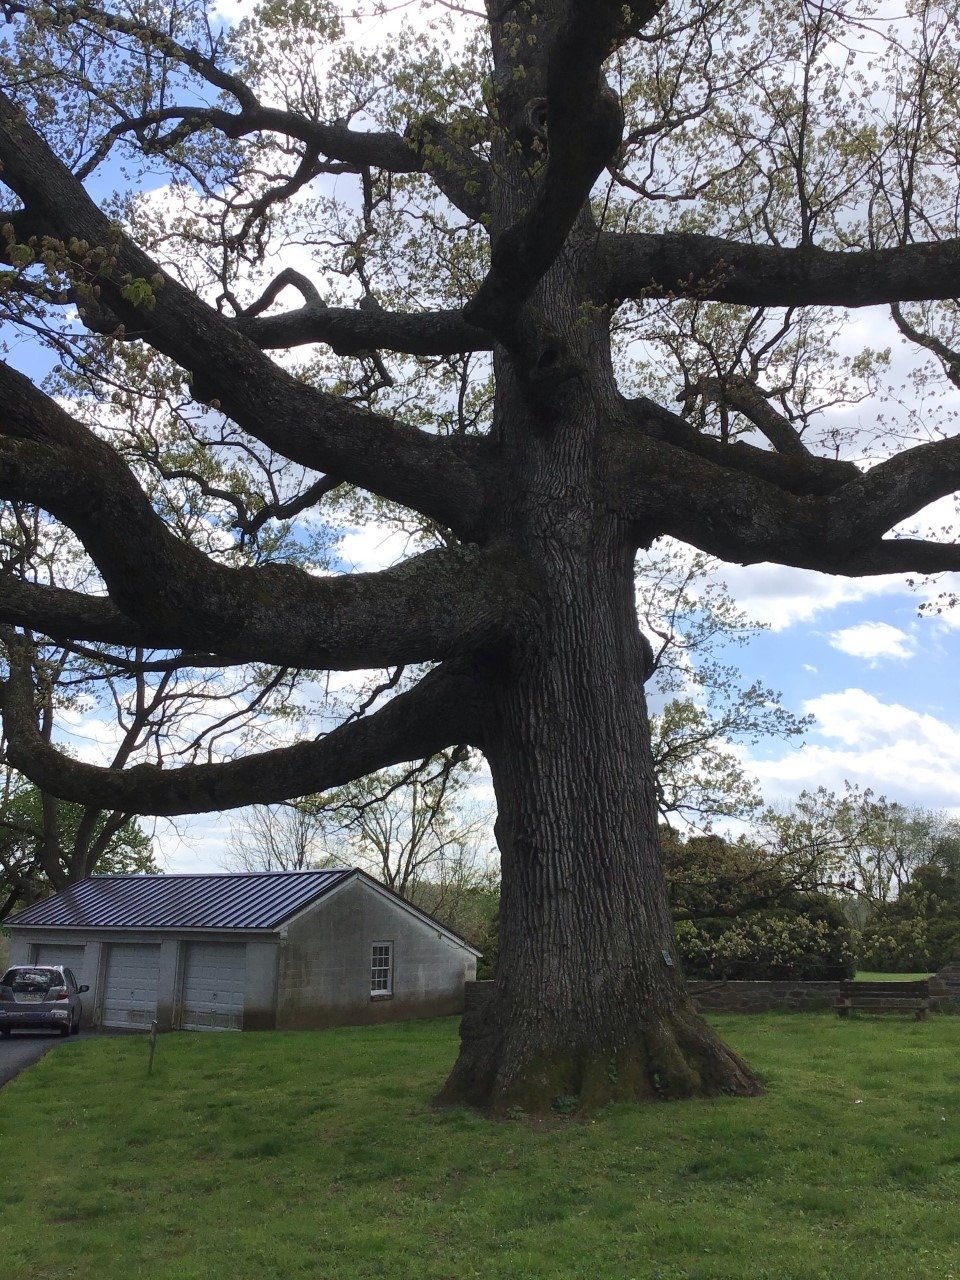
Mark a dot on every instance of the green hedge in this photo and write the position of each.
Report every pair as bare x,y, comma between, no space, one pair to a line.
812,944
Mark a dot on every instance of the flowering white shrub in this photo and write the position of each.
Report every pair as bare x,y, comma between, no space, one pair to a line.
766,945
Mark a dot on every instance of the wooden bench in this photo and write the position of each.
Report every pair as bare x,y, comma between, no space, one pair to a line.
885,997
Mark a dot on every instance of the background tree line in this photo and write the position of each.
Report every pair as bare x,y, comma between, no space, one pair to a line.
815,890
827,885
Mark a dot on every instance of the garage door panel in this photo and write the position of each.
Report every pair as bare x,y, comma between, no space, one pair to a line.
70,955
130,986
214,979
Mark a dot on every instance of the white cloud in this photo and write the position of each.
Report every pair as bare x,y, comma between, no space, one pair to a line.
372,547
873,641
197,843
782,597
232,11
908,755
90,738
859,718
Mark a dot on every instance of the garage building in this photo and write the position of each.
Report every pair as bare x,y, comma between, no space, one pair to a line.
265,950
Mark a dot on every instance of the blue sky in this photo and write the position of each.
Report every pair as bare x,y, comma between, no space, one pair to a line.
878,678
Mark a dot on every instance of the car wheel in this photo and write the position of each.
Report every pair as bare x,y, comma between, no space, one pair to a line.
75,1029
4,1031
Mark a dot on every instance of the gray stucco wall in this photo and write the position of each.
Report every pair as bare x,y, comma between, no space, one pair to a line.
260,993
325,958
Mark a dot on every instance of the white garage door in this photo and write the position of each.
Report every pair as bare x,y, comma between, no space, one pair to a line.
213,982
130,985
57,953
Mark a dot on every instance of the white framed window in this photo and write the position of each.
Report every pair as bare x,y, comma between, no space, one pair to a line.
381,969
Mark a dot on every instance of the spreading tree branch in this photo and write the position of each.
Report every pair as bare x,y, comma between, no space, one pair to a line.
429,607
63,614
441,478
349,331
584,126
743,395
456,170
710,267
743,513
439,712
794,471
949,358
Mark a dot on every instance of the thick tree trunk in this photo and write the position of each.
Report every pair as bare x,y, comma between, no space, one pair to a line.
589,1002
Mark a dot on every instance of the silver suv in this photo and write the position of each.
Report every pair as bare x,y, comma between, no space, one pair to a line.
39,996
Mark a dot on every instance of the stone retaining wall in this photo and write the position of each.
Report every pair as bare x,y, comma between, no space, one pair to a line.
476,995
945,986
769,997
766,996
726,997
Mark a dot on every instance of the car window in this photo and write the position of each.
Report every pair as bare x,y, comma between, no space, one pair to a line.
72,983
32,979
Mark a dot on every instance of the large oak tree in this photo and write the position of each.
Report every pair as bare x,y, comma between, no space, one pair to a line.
529,196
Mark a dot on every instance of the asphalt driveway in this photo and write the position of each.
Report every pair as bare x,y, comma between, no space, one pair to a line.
24,1048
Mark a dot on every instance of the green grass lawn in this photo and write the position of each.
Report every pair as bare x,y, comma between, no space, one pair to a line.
862,975
315,1154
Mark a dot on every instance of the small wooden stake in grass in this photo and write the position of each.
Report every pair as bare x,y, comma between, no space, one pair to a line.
153,1046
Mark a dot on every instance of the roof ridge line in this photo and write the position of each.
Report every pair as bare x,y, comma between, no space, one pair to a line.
210,875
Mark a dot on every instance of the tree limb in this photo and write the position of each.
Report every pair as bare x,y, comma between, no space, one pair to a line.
745,515
949,358
739,393
63,614
584,126
349,331
895,490
440,711
710,267
429,607
798,472
250,523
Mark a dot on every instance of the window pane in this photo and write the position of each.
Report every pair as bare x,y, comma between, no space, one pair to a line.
380,968
32,979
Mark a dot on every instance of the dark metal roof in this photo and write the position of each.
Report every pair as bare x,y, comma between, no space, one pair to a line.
255,900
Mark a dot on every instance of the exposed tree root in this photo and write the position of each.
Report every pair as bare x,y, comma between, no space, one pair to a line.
679,1056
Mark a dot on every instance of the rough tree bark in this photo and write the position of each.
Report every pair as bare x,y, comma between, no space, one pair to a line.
529,611
589,1001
